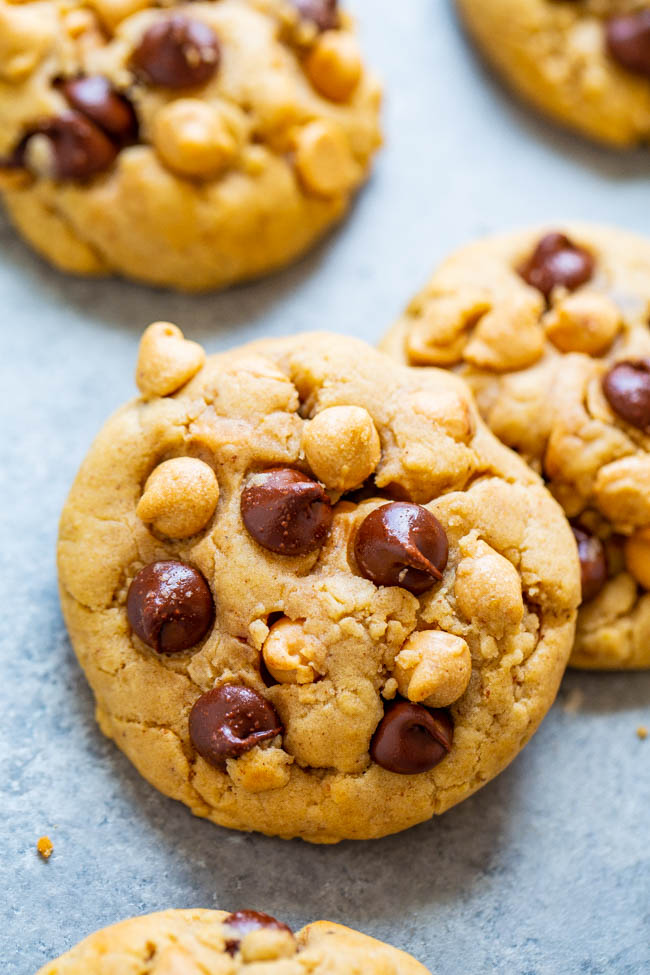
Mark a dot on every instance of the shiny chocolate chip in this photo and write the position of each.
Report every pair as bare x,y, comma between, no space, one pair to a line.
627,388
170,606
177,52
323,13
593,563
628,41
411,738
230,720
557,261
402,544
243,922
95,98
78,149
286,511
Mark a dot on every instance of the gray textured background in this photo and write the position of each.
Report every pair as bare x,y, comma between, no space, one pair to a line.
547,870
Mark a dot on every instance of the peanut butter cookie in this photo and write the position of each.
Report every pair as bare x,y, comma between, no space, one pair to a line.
313,595
184,144
550,329
583,62
196,942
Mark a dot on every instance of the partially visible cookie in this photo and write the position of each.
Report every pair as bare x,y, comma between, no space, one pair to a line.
312,593
194,942
184,144
550,329
586,63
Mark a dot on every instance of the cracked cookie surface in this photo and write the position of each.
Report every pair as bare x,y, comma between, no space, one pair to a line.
586,63
334,658
190,145
559,370
198,942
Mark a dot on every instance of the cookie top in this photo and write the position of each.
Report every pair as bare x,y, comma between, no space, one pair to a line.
550,329
313,594
195,942
584,62
183,144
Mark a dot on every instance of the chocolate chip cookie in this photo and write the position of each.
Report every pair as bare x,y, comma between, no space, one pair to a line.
196,942
184,144
313,595
583,62
550,329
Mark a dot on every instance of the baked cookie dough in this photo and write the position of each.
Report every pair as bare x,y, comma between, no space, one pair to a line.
191,145
196,942
550,329
313,595
586,63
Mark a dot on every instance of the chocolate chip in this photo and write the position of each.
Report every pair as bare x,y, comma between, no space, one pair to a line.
230,720
411,738
244,922
177,52
627,388
557,261
286,511
593,564
628,41
323,13
95,98
402,544
79,148
169,606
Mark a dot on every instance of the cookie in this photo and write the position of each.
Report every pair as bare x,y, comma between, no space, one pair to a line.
190,145
584,63
196,942
550,329
312,593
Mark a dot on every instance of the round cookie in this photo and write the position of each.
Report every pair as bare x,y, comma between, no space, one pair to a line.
194,942
586,63
334,658
550,329
185,144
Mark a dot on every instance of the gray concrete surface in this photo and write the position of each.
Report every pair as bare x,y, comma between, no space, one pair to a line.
547,870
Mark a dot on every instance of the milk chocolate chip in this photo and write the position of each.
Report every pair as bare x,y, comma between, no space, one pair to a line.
627,388
95,98
411,738
402,544
593,564
243,922
169,606
230,720
78,149
286,511
177,52
628,41
557,261
323,13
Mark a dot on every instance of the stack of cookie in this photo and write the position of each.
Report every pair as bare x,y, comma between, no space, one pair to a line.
319,590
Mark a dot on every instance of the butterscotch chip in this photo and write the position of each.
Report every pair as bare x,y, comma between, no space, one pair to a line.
549,327
45,847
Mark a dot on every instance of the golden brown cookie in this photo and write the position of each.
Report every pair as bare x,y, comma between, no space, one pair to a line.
550,329
586,63
372,615
196,942
184,144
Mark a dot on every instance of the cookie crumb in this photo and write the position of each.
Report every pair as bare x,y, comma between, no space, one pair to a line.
573,701
45,847
642,732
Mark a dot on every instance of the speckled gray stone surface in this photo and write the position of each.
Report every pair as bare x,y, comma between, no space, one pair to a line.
547,870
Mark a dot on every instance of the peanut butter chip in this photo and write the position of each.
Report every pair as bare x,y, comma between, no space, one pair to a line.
166,360
324,159
334,65
342,446
179,497
584,322
637,557
193,137
434,668
291,655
